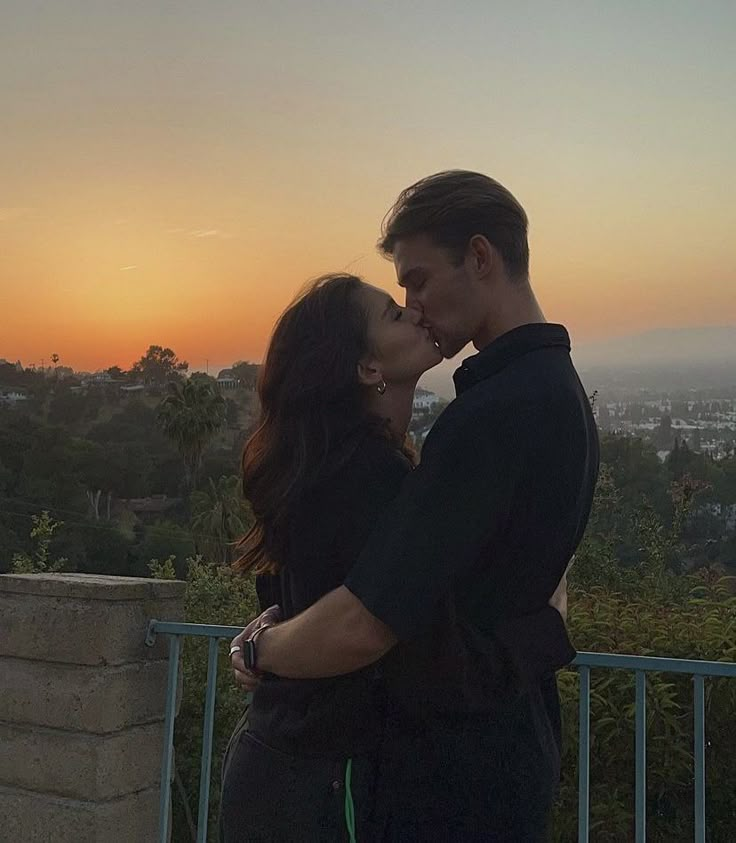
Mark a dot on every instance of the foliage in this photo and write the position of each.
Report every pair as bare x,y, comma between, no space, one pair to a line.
646,621
158,366
166,539
655,549
163,570
41,561
220,517
190,415
245,373
77,454
214,595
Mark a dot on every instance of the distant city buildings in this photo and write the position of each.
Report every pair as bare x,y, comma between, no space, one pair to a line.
424,400
708,425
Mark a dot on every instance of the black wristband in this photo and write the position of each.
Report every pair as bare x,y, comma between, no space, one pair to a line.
250,657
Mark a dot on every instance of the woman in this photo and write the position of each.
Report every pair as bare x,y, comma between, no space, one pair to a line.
336,393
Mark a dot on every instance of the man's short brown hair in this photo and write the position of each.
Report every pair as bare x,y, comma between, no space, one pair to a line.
453,206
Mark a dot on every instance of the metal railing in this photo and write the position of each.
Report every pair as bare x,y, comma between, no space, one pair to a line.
640,665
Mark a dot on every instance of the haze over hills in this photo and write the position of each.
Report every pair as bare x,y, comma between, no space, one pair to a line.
711,345
670,357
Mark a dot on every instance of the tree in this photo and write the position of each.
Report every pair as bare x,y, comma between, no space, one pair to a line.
696,443
66,407
220,517
596,561
116,373
158,366
143,459
663,434
6,477
190,415
246,373
232,412
55,359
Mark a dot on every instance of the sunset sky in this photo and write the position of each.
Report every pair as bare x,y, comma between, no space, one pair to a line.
172,172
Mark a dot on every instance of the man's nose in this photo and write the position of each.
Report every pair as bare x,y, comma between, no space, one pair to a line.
412,301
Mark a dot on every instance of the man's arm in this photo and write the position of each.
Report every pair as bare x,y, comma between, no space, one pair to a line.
339,635
448,510
334,636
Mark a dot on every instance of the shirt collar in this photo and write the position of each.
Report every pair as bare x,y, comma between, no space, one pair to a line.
507,348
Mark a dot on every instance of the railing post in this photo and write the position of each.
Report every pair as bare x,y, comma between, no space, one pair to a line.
641,757
699,722
209,720
584,757
168,750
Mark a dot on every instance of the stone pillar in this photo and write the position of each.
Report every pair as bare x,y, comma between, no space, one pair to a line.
82,706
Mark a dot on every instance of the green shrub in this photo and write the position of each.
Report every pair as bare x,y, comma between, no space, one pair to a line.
214,596
702,625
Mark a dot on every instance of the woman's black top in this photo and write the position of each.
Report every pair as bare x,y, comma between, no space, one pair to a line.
344,715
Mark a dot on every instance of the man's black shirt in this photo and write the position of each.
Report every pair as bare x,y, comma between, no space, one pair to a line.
480,535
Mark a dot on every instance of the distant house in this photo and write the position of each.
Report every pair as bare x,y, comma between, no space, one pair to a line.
12,395
227,380
133,389
424,400
102,377
152,506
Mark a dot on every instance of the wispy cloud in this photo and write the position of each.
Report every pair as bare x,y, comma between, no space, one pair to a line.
200,233
9,214
210,232
129,268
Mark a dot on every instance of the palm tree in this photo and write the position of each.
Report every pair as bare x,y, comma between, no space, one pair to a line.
190,415
220,517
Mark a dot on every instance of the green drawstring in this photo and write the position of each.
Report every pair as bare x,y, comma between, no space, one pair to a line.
349,806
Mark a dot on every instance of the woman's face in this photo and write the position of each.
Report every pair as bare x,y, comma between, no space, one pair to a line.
401,349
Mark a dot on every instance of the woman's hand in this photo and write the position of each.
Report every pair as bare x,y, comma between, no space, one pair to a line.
247,679
559,599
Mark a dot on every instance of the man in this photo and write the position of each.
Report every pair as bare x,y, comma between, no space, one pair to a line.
479,537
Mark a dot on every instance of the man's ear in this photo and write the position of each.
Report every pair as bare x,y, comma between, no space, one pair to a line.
481,254
369,372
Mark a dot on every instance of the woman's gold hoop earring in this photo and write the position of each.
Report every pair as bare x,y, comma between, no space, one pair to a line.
381,388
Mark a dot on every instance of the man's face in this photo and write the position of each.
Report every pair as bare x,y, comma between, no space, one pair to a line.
445,295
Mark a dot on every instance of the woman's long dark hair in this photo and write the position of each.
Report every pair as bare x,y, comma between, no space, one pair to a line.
313,412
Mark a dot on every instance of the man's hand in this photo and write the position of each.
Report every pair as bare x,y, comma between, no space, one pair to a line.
559,599
248,680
